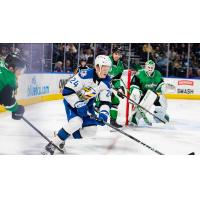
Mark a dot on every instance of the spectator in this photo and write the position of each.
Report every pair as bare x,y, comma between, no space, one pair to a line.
68,67
162,62
190,73
101,51
58,53
147,48
179,71
70,48
172,54
87,53
71,53
82,64
4,52
198,72
58,67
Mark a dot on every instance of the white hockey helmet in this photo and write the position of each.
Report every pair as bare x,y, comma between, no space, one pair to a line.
103,60
149,67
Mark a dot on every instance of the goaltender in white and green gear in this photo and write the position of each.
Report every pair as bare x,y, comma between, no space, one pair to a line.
147,89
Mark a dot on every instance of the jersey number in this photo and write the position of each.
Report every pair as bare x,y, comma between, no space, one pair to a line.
74,82
108,93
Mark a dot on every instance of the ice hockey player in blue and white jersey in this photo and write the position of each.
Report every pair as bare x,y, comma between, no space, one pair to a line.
79,96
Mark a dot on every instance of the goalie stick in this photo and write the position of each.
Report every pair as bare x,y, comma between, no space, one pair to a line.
44,136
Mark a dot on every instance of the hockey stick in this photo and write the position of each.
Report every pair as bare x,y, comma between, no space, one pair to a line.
134,103
44,136
131,137
124,85
128,91
126,134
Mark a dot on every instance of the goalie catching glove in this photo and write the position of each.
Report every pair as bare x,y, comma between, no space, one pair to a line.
164,87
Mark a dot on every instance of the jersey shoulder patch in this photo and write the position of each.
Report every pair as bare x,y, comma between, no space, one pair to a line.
86,73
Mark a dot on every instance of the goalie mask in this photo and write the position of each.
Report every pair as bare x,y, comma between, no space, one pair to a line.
149,67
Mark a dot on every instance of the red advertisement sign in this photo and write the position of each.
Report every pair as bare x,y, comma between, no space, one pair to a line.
186,82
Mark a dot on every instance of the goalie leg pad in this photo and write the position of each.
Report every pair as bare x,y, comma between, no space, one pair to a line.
160,111
135,95
147,102
134,116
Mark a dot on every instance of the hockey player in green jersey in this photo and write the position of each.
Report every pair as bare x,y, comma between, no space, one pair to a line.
145,86
10,69
115,73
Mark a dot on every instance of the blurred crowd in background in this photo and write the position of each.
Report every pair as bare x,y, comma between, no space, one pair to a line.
172,60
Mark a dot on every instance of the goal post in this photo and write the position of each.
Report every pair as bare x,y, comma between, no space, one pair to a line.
128,95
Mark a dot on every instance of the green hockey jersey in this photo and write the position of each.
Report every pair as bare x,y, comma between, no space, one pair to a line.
115,72
145,82
8,85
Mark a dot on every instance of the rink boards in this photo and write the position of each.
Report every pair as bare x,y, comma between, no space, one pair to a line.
35,88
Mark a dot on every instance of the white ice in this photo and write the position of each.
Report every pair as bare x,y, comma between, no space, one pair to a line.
179,137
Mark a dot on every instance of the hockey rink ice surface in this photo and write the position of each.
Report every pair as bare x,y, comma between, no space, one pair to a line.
179,137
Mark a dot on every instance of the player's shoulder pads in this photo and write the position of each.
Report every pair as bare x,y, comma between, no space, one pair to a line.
86,73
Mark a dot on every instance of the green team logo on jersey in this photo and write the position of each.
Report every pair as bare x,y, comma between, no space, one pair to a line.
150,86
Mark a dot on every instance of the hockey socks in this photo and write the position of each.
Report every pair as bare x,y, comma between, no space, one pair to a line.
63,135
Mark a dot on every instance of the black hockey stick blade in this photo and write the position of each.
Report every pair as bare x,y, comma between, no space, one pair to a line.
192,153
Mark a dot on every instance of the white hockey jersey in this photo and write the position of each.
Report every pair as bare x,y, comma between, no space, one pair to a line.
86,86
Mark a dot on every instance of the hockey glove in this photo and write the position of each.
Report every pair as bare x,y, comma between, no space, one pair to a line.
18,114
102,118
121,92
81,108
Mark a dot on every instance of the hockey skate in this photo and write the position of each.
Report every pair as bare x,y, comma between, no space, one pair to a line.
115,124
143,115
62,144
134,120
50,147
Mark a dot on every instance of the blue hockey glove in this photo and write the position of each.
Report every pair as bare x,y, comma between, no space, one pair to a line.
81,108
18,114
103,117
